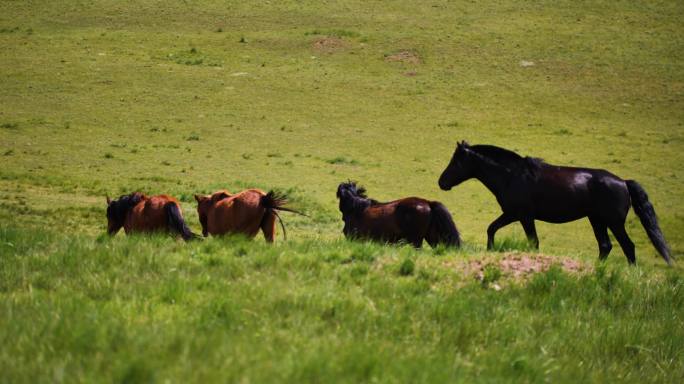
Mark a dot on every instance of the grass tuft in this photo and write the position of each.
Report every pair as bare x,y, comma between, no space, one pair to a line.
407,267
507,244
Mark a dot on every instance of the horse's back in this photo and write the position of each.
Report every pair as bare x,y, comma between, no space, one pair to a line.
241,212
564,194
150,214
396,220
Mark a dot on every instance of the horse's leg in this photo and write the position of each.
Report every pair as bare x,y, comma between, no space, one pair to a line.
601,233
500,221
530,231
268,226
625,243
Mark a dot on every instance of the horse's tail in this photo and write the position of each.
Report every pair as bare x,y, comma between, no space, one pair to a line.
644,210
442,228
273,202
176,223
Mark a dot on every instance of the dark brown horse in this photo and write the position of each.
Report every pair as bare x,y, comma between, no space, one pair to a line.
529,189
138,213
411,219
244,212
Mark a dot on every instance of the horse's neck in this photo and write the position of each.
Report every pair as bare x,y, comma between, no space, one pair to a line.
358,204
494,176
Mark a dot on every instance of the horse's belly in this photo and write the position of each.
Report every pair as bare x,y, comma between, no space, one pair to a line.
235,219
561,214
559,205
146,220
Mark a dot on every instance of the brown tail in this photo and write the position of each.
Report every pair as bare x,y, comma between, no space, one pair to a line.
275,201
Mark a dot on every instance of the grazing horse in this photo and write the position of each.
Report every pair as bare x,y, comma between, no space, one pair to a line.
244,212
411,219
529,189
138,213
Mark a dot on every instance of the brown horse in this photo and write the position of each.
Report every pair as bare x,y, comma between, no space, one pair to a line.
138,213
244,212
411,219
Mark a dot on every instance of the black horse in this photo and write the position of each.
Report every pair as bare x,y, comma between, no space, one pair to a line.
411,219
529,189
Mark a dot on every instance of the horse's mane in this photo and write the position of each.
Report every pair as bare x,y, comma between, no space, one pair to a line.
526,166
358,193
118,209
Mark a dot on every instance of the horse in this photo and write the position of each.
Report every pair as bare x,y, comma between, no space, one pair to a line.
529,189
244,212
410,219
138,213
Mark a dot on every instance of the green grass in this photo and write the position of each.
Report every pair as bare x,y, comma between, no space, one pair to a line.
83,308
103,98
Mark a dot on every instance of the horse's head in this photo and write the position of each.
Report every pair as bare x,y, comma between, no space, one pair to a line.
460,167
349,193
118,209
204,203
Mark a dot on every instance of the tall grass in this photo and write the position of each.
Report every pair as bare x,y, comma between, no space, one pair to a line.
150,308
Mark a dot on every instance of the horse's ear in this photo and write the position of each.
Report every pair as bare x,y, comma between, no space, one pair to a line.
341,191
109,201
198,198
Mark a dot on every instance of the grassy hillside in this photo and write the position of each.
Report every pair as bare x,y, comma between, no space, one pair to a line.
106,97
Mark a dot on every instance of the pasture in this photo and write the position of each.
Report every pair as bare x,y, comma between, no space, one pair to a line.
107,97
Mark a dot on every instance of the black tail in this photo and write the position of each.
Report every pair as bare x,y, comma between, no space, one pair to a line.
644,210
176,222
274,201
442,228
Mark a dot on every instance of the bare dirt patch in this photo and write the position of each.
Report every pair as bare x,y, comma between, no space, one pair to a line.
329,44
520,266
408,57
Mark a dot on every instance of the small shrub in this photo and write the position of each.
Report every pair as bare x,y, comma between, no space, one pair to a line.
193,137
108,156
407,267
490,274
439,250
9,30
333,33
241,252
193,57
361,254
512,244
342,161
9,125
359,270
